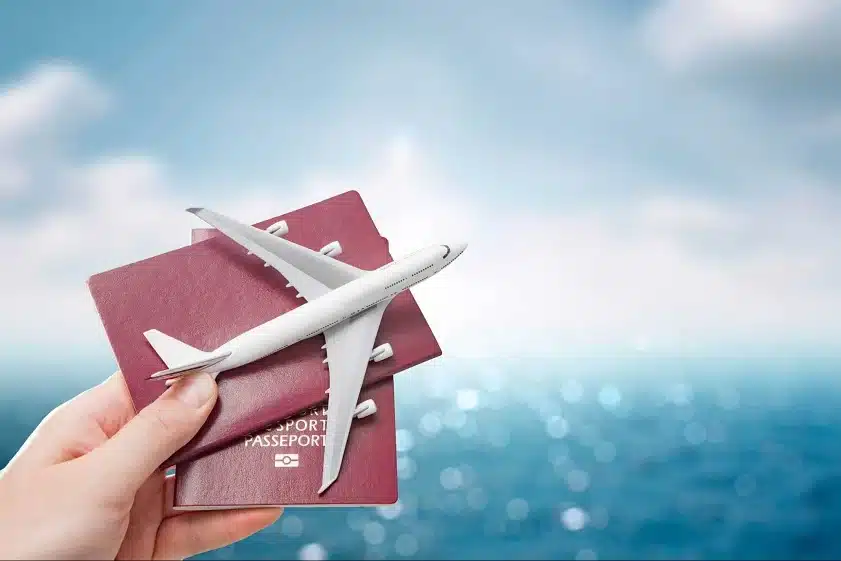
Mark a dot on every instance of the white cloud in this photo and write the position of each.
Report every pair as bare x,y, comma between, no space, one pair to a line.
660,274
688,32
34,113
664,274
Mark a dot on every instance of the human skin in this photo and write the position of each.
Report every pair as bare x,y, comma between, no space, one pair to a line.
87,483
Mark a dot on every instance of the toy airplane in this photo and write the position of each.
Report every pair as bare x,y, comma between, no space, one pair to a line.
344,303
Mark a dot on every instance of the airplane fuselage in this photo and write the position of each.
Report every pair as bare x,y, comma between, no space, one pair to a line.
315,317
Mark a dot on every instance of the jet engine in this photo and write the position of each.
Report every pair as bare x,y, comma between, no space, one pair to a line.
382,352
365,409
332,249
278,229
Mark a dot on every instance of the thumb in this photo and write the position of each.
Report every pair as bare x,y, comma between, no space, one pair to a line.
126,460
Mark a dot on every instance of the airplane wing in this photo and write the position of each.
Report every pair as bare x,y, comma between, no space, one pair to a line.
349,347
312,273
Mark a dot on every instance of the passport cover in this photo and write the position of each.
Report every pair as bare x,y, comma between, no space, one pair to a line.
281,466
209,292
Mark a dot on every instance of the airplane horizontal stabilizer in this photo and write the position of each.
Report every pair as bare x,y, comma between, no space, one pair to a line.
203,365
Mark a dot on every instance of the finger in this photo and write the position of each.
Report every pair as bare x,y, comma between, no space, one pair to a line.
196,532
125,461
109,404
76,426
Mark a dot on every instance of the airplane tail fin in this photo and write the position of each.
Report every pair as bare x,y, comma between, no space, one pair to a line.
181,359
172,351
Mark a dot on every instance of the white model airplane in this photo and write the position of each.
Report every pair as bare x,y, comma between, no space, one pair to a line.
344,303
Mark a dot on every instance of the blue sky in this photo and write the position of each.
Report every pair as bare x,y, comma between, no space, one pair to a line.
640,176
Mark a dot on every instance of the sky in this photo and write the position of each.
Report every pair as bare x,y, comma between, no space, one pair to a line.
631,177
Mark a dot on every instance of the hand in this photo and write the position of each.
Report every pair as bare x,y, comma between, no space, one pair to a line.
87,483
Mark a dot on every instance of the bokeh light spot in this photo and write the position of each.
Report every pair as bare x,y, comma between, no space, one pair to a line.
517,509
312,552
574,519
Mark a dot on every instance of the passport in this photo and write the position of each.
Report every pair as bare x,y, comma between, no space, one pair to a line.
206,293
281,466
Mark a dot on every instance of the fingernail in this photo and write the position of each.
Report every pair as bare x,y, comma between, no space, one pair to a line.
194,390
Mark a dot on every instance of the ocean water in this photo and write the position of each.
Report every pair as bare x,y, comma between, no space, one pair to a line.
675,460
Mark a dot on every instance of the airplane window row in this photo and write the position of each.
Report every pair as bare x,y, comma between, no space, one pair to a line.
413,274
321,330
351,315
328,326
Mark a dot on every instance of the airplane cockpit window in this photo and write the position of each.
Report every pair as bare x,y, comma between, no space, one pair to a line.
448,251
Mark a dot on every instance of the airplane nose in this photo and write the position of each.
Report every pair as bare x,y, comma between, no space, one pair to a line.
459,248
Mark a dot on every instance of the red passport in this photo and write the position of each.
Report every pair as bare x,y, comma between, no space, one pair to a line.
207,293
281,466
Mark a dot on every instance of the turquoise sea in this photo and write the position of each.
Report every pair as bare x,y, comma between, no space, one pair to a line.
663,459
